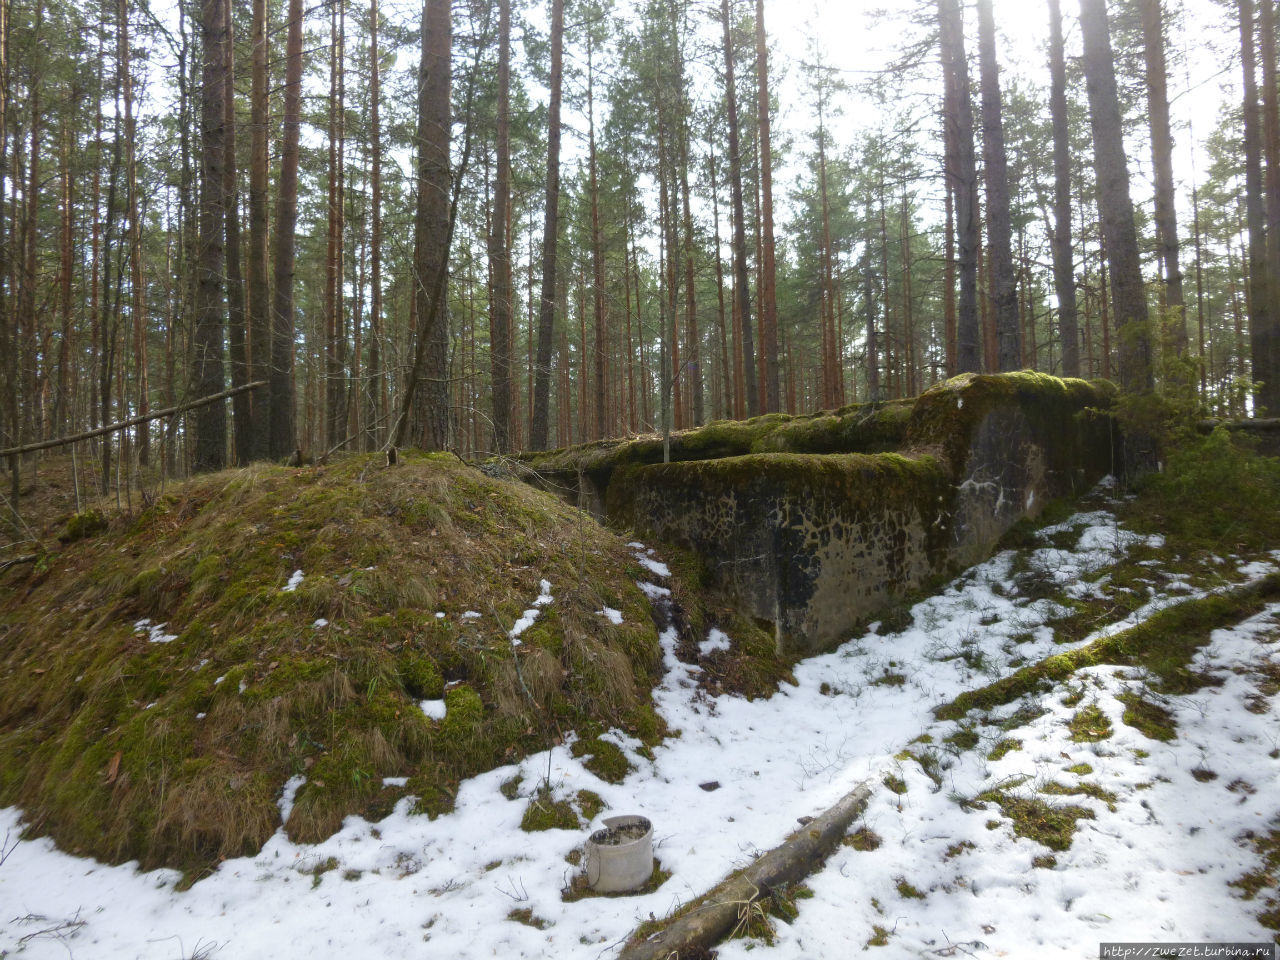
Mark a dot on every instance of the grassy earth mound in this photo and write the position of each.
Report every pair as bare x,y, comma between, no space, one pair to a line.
159,682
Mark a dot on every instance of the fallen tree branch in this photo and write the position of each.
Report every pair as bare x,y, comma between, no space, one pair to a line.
28,558
125,424
711,920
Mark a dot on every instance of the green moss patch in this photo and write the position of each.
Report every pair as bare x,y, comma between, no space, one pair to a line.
895,784
174,753
1089,725
1053,788
605,759
1046,824
1164,644
1263,882
527,917
864,839
1004,747
545,812
1150,719
907,891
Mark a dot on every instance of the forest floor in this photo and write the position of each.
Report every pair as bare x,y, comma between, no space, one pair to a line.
1125,801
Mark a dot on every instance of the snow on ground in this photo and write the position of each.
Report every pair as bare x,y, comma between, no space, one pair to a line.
1155,868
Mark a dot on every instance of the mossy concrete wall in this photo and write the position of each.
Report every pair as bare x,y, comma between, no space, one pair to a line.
817,539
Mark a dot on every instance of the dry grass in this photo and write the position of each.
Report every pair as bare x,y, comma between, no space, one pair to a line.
174,753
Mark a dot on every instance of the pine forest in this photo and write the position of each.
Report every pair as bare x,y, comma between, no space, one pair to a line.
251,229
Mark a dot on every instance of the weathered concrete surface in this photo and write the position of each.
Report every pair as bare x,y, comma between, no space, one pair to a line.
808,542
816,542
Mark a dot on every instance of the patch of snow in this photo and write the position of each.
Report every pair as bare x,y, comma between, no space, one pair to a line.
220,679
394,781
435,709
201,716
526,621
545,597
155,632
288,795
470,615
1259,568
439,614
653,566
1155,868
320,623
716,640
652,590
612,615
293,583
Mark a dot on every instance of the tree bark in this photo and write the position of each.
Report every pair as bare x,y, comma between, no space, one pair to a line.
547,306
210,451
259,302
1128,295
137,300
964,181
431,222
1064,280
284,434
237,326
500,293
597,254
768,267
1269,396
742,293
1162,162
1262,321
1004,291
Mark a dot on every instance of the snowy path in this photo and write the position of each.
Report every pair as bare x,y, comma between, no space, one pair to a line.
1154,869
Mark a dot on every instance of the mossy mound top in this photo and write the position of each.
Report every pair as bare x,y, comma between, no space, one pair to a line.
856,428
160,681
943,417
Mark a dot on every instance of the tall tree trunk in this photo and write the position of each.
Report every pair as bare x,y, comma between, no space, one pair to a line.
8,422
64,410
547,308
500,293
379,402
1262,322
1003,284
237,327
1128,295
1162,161
768,268
728,380
692,370
431,222
137,300
874,391
827,313
742,292
964,179
284,433
259,302
597,255
210,451
1064,280
1269,396
333,281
